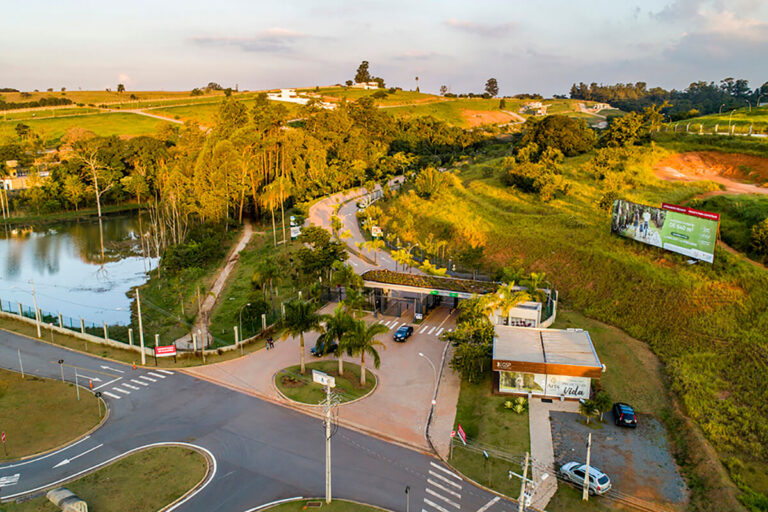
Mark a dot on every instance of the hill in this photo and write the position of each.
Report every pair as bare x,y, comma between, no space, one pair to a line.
742,119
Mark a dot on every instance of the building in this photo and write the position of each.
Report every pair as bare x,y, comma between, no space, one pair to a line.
546,363
287,95
365,85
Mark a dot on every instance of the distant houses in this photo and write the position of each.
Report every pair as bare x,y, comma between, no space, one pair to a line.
291,96
365,85
534,107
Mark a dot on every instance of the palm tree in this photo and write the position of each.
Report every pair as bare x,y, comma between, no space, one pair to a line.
355,301
400,256
362,340
337,326
534,283
300,317
374,245
505,299
270,199
587,409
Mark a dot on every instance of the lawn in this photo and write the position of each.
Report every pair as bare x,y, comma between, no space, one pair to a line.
491,427
143,482
102,124
300,388
41,414
705,322
43,113
98,97
742,118
335,506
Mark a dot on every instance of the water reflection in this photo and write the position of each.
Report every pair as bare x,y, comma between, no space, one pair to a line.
71,275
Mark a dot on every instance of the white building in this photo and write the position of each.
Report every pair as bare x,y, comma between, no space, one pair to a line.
365,85
287,95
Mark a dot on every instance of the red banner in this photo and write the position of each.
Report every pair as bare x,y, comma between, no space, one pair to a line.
462,434
165,351
691,211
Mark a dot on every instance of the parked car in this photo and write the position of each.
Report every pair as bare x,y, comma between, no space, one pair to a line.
319,350
624,415
403,333
599,483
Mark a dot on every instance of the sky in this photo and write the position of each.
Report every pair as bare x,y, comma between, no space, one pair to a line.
538,46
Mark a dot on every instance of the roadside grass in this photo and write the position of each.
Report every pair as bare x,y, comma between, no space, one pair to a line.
335,506
41,414
568,498
703,321
490,426
738,213
124,124
300,388
143,482
43,113
67,215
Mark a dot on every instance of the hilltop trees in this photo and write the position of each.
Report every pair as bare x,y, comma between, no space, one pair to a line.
569,136
492,87
362,75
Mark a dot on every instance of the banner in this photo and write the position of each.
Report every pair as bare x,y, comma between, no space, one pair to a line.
679,229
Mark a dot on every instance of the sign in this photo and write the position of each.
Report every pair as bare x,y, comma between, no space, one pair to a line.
679,229
462,434
295,232
453,433
3,437
376,231
165,351
323,379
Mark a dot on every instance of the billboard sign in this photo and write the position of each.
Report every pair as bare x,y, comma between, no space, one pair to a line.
165,351
679,229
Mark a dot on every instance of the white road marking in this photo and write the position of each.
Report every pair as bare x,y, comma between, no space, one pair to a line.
381,321
444,479
165,372
111,395
7,481
129,386
105,367
139,382
45,456
121,390
387,323
436,495
67,461
444,489
156,375
441,468
107,383
94,379
435,505
432,330
488,505
440,330
424,329
394,325
147,378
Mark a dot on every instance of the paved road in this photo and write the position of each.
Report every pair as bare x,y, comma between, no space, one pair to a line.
263,452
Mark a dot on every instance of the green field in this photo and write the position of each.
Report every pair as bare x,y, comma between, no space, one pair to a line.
300,388
143,482
42,113
105,124
400,97
98,97
742,118
42,414
703,321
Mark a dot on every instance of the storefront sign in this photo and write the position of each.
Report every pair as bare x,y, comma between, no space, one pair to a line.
541,384
571,387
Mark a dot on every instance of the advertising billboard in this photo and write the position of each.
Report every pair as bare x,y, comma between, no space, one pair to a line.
679,229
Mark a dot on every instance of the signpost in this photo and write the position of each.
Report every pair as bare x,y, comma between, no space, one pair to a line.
462,434
329,382
165,351
5,448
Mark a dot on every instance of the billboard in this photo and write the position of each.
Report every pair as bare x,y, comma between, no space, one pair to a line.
679,229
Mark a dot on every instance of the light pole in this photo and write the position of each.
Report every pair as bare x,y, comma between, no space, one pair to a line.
34,299
750,105
721,109
434,395
729,119
240,323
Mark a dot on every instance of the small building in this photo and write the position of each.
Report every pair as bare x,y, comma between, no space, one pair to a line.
597,107
526,314
533,105
365,85
287,95
546,363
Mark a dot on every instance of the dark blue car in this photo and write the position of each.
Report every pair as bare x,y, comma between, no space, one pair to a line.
624,415
403,333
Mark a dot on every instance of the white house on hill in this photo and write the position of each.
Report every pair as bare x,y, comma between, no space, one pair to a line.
287,95
366,85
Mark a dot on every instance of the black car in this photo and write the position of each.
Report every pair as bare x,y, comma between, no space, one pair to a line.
624,415
319,350
403,333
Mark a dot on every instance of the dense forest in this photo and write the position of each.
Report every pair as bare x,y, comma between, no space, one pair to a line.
699,98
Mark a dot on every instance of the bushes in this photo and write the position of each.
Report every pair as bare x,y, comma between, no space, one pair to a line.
570,136
760,238
204,244
535,178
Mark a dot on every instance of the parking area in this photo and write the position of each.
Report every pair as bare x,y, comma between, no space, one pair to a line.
399,407
638,461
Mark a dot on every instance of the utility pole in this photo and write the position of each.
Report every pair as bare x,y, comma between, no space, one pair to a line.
585,490
521,499
21,366
77,385
328,406
34,299
141,329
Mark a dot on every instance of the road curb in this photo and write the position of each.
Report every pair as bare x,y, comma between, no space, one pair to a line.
273,504
284,397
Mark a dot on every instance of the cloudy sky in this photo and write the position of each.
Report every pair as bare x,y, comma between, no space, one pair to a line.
528,45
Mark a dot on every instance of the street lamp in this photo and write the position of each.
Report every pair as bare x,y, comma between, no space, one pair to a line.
720,111
434,371
241,319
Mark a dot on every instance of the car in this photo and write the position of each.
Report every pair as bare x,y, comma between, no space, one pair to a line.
320,350
624,415
403,333
575,472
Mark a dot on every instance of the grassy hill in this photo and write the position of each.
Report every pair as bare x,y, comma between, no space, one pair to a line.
743,118
98,97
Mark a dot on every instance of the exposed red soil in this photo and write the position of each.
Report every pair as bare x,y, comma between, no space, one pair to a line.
729,169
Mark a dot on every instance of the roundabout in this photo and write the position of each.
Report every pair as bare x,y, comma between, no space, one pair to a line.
295,387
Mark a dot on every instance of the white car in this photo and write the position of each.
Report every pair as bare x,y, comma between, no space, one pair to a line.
599,483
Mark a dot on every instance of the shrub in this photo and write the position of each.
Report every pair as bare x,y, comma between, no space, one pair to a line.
570,136
760,238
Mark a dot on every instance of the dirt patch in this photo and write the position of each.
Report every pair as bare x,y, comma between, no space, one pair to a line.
738,172
480,117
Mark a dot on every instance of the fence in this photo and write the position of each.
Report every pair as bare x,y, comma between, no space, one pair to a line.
716,129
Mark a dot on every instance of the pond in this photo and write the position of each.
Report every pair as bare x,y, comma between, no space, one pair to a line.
72,275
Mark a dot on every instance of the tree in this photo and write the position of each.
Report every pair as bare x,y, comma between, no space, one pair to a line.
760,238
120,88
428,182
492,87
603,403
623,131
570,136
374,245
471,360
443,90
502,104
362,340
362,74
103,177
337,326
74,189
588,409
504,300
432,269
196,92
300,317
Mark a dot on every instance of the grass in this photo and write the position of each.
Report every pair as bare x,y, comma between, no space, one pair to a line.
335,506
742,118
738,213
42,113
143,482
42,414
568,498
681,142
491,427
703,321
300,388
397,98
98,97
104,124
205,112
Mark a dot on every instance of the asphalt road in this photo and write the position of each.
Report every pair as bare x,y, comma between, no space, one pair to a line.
263,452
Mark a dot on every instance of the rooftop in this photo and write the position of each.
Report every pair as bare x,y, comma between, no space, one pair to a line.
549,346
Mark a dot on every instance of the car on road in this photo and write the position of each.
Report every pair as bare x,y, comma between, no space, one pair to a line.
575,472
624,415
403,333
320,349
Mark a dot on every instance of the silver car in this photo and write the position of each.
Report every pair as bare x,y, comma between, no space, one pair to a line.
599,483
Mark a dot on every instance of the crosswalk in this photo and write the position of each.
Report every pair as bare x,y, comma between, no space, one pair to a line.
118,390
443,490
435,330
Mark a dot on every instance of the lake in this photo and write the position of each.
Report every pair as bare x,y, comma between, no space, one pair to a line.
71,275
